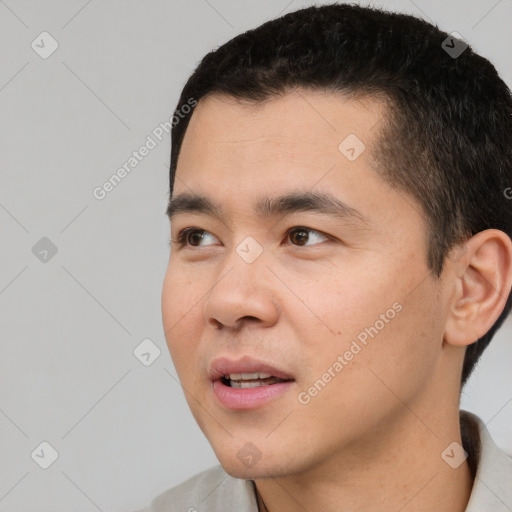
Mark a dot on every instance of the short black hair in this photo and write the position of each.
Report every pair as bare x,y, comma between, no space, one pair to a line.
447,136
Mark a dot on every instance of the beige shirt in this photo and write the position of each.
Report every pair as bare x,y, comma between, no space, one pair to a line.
214,490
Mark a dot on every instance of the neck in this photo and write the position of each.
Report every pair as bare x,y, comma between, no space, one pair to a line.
399,469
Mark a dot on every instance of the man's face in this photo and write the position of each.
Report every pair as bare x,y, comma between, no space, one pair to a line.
339,304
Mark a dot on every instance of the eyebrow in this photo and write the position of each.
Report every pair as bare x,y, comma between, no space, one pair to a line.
286,204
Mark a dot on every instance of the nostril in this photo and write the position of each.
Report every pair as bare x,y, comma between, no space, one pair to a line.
250,318
216,324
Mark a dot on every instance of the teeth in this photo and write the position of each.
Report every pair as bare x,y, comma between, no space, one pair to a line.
250,380
249,384
252,383
248,376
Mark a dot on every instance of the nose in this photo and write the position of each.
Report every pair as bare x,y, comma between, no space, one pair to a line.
243,294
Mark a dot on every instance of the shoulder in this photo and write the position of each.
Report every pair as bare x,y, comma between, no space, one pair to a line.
213,490
492,487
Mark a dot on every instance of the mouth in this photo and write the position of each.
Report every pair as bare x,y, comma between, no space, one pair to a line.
247,383
250,380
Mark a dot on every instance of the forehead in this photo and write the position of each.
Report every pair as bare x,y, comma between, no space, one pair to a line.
295,123
285,139
238,153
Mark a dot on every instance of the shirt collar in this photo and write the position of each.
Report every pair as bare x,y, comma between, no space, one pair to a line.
492,486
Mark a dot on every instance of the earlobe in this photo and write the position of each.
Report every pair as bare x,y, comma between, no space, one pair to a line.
483,280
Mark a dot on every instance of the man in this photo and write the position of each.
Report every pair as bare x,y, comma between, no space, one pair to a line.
341,255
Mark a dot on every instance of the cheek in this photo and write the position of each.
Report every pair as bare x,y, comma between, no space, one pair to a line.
382,318
376,364
181,295
181,315
403,337
339,301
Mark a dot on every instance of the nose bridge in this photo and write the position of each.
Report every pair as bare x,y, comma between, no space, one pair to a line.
242,288
244,262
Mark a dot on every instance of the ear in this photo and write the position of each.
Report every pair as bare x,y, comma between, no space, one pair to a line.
482,277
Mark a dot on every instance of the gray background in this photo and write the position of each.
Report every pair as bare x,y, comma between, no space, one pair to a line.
122,430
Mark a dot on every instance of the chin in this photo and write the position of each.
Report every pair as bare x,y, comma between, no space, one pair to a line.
248,463
242,472
237,469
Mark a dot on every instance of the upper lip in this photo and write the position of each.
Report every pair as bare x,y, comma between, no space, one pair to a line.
222,366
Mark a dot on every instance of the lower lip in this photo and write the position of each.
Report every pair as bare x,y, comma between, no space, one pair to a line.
248,398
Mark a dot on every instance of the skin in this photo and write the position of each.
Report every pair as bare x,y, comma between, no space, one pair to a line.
373,437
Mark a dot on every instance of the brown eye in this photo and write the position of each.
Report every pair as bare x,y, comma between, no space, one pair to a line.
301,235
194,237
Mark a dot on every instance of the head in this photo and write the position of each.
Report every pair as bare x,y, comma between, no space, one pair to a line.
408,281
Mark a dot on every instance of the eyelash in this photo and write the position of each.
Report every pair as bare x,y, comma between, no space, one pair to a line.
181,238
